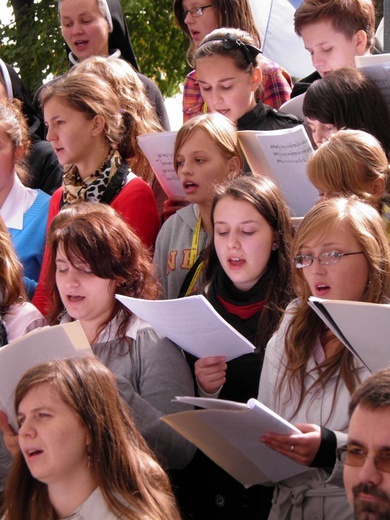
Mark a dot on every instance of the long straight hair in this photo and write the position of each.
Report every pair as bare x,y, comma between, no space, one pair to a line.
305,327
266,198
132,482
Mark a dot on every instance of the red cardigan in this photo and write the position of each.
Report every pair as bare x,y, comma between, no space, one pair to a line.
135,203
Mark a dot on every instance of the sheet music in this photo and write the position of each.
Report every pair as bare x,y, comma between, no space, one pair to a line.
158,148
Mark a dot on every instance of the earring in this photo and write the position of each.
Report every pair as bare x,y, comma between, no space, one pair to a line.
89,457
275,246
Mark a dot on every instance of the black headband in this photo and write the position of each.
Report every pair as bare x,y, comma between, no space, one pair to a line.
230,43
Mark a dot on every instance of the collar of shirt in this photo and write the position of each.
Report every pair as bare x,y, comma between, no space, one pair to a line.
19,200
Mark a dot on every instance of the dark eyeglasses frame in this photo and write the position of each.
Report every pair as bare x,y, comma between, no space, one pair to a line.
380,461
334,256
198,10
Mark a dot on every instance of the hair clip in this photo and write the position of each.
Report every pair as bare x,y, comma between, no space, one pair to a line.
230,43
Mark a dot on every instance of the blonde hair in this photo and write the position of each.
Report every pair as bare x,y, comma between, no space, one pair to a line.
347,162
220,130
305,327
133,101
14,125
11,283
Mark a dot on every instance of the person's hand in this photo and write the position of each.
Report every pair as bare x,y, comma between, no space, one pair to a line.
300,447
211,373
10,437
173,204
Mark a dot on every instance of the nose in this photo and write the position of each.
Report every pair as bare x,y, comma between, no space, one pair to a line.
71,278
185,169
369,473
188,18
233,242
317,60
27,429
49,134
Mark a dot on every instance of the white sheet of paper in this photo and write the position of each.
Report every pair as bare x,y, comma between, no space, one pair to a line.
364,326
229,434
294,106
282,155
41,345
193,324
158,148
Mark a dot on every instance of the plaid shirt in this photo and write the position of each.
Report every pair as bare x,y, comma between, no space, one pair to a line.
277,87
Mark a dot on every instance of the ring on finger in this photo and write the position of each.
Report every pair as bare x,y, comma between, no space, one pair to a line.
292,448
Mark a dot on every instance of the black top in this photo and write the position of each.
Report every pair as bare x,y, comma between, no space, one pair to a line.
263,117
303,84
44,168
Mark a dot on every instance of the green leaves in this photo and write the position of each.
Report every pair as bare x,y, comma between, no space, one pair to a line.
35,47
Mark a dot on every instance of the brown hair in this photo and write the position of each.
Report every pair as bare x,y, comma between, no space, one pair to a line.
133,101
92,96
305,326
97,236
347,16
265,196
373,393
213,45
230,13
133,484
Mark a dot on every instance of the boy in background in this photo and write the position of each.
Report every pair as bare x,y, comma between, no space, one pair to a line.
334,31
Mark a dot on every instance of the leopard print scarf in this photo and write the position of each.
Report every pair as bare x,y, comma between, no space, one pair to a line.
95,185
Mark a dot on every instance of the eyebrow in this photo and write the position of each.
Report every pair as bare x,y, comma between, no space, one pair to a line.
219,81
354,442
251,221
38,409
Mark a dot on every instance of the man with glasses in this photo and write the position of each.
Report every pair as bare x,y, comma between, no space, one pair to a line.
366,456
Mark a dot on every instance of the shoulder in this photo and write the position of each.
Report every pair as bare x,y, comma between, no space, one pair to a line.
22,318
282,119
303,84
94,507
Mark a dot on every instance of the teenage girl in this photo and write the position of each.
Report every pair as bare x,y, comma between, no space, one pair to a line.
346,98
352,162
93,256
17,317
98,28
229,71
340,252
89,460
24,210
196,21
206,153
248,284
131,92
89,132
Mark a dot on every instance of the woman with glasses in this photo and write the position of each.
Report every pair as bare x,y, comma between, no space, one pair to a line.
197,19
340,252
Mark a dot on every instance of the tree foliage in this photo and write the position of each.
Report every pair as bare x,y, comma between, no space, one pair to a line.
34,44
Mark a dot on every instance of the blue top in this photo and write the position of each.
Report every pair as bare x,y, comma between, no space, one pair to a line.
29,242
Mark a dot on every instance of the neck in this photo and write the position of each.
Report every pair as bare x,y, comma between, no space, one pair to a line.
205,215
5,191
67,496
93,161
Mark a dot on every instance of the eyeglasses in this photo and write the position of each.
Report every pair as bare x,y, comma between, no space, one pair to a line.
327,258
355,457
195,12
